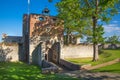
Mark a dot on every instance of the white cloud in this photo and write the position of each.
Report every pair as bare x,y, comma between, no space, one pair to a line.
99,20
111,28
115,21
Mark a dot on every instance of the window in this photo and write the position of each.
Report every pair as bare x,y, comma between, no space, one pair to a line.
41,18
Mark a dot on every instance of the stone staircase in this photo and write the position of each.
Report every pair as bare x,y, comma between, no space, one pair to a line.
49,67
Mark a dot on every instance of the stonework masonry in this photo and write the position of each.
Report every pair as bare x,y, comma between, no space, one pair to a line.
44,31
77,51
42,39
10,52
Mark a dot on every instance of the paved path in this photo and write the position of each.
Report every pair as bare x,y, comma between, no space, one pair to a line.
87,75
104,64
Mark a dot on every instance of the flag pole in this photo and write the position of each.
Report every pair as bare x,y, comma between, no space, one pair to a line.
28,12
28,51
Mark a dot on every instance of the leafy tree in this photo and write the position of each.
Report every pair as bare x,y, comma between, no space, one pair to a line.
74,19
79,14
99,10
113,39
99,35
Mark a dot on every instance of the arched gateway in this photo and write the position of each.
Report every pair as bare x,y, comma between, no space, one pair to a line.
45,37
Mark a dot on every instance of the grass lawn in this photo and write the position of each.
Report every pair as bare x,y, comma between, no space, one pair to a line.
22,71
105,56
115,68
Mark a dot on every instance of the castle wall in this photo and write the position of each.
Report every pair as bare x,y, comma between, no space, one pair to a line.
25,38
9,52
36,56
77,51
43,33
109,46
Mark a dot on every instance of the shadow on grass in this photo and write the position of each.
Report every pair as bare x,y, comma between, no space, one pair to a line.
21,71
92,77
88,75
111,71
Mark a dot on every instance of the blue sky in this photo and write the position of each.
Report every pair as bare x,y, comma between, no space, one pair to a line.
113,28
11,13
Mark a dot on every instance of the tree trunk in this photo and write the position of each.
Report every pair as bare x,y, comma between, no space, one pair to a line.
67,40
68,37
95,44
95,52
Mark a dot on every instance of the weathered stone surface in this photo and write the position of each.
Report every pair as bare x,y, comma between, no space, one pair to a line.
45,31
49,67
77,51
51,70
69,65
9,52
109,46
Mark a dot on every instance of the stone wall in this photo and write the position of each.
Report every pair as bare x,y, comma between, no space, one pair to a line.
109,46
77,51
9,52
69,65
43,30
36,55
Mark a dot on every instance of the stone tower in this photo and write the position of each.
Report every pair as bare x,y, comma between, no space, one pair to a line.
44,32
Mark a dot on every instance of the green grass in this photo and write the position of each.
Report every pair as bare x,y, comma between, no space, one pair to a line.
105,56
22,71
115,68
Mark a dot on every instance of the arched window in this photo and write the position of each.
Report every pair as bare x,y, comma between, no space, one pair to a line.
41,18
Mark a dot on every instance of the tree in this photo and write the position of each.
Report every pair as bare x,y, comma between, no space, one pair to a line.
99,35
113,39
78,14
74,19
99,10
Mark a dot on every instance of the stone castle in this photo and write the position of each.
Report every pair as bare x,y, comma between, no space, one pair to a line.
42,39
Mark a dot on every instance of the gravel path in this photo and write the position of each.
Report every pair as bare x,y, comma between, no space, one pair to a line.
87,75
